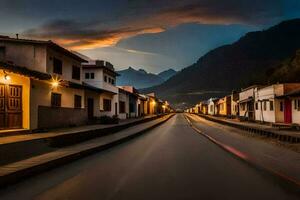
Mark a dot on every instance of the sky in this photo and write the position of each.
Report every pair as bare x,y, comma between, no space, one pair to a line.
154,35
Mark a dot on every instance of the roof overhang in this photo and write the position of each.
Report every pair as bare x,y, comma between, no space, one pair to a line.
24,71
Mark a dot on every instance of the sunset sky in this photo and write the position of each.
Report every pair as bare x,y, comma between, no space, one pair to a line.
154,35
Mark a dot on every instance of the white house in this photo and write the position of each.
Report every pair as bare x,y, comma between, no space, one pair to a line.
102,75
246,102
41,85
273,105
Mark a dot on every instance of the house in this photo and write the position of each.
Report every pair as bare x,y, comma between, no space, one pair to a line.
101,75
224,106
41,85
132,100
196,109
203,106
166,107
212,106
246,103
292,97
277,103
142,103
123,104
152,104
234,104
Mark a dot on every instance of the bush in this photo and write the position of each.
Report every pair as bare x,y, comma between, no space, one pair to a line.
109,120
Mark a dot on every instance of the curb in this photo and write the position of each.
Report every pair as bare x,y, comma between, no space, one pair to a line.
18,176
247,159
257,131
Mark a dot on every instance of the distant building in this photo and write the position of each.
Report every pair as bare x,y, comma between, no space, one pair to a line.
234,104
224,106
274,103
246,103
212,106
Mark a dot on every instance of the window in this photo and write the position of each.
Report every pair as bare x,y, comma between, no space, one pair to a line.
122,107
256,105
281,106
113,81
109,79
265,105
105,78
87,75
2,53
75,72
92,75
271,105
77,101
55,100
106,104
297,104
57,66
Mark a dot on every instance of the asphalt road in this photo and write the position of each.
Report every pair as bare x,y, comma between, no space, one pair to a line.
170,162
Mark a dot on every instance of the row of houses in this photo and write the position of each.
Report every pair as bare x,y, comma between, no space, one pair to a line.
43,85
276,104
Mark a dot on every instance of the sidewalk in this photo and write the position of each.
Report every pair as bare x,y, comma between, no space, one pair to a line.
278,161
290,136
14,172
14,148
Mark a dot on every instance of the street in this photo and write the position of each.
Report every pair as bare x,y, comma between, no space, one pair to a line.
170,162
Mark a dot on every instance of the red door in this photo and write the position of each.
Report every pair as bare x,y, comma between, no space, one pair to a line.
287,111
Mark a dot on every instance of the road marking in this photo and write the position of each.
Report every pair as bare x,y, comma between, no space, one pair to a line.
243,156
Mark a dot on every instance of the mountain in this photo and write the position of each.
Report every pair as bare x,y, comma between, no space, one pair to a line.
138,78
167,74
250,60
287,71
142,79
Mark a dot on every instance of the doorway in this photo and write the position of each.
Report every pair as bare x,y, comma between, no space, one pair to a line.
10,106
90,105
287,111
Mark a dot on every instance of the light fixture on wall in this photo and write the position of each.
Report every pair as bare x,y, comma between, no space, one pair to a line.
55,82
6,76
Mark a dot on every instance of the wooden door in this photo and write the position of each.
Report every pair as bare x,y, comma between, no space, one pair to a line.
10,106
287,111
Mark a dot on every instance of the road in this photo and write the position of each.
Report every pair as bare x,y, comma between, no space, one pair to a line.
170,162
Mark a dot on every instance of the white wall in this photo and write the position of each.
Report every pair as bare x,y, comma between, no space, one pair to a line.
268,94
41,96
26,55
67,64
125,98
295,112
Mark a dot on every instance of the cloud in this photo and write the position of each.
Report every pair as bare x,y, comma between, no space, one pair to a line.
141,18
76,35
